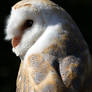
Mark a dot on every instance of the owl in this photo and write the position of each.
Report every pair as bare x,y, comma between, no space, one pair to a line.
54,55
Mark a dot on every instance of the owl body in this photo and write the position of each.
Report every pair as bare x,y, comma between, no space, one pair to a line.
54,55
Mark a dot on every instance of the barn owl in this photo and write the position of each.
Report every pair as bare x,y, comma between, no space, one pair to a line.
54,55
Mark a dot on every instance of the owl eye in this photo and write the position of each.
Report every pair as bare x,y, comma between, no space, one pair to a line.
28,23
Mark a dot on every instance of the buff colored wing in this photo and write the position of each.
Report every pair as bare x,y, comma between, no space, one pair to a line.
37,75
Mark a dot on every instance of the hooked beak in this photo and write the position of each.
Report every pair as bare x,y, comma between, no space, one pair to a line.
16,41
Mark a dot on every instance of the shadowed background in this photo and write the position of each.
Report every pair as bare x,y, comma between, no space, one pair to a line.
81,12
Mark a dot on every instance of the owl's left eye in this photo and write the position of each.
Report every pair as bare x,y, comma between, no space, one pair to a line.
28,23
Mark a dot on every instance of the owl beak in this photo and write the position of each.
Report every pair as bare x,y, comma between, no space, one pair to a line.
16,41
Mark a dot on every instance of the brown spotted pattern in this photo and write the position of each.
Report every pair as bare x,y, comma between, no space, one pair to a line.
37,75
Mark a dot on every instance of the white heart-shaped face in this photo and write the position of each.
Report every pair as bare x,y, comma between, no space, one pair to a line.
27,22
24,27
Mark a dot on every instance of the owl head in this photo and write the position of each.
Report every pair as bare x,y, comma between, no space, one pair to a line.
28,21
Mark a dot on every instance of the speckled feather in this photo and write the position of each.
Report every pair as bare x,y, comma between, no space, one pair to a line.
38,76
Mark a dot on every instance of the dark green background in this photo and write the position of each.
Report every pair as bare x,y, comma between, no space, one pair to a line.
80,10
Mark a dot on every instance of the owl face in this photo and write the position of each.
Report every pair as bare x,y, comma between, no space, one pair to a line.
28,21
24,26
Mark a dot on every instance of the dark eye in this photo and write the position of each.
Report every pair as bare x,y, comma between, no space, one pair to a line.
28,23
